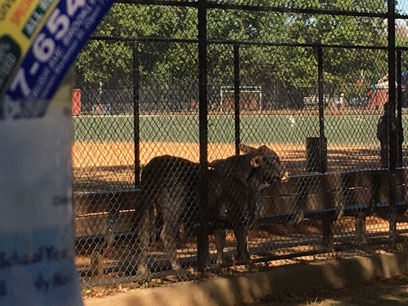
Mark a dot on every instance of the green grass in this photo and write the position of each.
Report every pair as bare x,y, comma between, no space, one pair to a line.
340,130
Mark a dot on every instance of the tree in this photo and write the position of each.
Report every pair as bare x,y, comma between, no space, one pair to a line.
174,65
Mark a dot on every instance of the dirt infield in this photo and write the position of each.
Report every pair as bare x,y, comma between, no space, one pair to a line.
102,166
106,154
94,154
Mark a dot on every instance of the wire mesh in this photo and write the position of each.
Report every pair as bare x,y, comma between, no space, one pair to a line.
298,92
356,6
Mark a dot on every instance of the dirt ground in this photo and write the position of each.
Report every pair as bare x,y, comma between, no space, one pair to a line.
88,154
382,292
96,164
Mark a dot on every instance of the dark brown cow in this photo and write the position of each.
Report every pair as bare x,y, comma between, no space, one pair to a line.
170,188
237,195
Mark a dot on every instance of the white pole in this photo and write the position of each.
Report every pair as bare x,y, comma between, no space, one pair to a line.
221,96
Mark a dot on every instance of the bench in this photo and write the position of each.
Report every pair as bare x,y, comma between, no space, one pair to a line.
329,196
99,219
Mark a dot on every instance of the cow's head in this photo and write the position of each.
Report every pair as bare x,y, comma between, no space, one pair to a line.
266,166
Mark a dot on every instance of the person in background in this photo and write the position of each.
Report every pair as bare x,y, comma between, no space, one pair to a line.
382,135
342,100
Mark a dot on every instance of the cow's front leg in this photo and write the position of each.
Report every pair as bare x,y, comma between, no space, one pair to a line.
240,233
219,236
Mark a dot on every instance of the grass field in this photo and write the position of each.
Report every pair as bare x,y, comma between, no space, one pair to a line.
340,130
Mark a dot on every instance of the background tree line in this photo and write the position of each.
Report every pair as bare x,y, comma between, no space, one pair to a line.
168,70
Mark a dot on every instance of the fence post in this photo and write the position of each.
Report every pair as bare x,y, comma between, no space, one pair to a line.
237,84
399,108
136,135
322,138
392,136
202,239
327,230
316,157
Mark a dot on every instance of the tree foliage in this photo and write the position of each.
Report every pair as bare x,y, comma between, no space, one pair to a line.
174,65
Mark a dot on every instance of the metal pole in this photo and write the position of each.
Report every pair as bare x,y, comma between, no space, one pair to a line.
136,134
399,108
327,226
392,135
322,138
237,84
202,239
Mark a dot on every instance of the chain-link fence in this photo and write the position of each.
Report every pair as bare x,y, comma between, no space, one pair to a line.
190,114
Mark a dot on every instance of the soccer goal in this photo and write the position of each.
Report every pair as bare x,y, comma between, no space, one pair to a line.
250,98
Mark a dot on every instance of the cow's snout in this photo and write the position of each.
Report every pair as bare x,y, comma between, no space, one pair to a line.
285,176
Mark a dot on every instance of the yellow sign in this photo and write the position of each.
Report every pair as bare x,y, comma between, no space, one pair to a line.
39,40
20,20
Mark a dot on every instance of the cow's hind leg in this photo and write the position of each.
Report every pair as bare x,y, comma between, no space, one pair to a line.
168,237
219,236
171,215
242,247
145,231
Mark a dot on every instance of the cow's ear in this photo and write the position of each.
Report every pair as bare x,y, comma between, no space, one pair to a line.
245,148
256,161
264,149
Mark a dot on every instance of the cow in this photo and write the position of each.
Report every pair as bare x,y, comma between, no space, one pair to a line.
237,195
170,189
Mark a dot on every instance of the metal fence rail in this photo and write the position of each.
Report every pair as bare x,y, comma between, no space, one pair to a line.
185,107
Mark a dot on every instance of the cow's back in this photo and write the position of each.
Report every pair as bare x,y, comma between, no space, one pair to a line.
168,184
167,171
